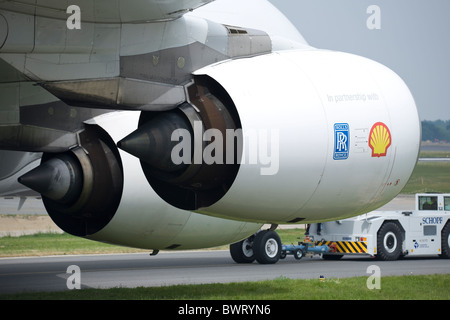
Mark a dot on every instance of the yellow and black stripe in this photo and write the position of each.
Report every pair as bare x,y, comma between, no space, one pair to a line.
356,247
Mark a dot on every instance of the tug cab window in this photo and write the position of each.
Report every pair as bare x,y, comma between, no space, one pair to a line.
428,203
447,203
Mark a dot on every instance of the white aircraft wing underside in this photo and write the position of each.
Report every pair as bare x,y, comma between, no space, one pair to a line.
107,11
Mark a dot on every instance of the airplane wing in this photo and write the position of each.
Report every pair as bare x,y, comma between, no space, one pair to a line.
107,11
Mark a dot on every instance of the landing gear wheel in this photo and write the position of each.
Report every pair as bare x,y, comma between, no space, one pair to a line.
445,242
267,247
389,242
242,251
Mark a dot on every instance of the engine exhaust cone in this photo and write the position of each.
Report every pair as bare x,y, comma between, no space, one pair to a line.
152,142
59,179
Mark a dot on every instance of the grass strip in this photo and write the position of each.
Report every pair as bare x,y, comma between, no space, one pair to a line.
429,177
46,244
423,287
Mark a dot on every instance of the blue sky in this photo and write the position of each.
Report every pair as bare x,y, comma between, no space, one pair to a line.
414,40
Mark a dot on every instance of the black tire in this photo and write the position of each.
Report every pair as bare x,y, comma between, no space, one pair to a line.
242,251
389,242
267,247
445,242
298,254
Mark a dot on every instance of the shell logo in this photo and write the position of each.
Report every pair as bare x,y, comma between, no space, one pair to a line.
379,139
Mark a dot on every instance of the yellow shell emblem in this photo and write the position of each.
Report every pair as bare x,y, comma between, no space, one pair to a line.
379,139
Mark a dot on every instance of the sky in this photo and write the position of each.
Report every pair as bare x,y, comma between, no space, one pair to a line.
413,40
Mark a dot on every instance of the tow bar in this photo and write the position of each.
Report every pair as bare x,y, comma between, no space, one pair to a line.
306,246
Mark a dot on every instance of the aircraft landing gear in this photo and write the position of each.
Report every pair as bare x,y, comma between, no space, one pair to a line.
264,247
242,251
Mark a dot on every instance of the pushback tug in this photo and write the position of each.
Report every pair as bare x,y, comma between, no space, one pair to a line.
387,235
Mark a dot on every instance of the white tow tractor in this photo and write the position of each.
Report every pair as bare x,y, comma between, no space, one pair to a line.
389,235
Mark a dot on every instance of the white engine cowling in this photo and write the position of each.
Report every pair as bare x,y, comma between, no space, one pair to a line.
337,135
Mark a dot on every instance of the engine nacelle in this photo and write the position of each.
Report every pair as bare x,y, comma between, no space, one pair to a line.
81,188
283,138
334,135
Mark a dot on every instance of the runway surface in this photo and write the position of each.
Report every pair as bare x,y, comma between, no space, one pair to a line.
134,270
194,267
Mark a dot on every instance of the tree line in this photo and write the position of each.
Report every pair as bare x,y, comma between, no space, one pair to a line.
437,130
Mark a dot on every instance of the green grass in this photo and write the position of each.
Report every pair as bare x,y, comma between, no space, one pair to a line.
45,244
289,236
429,177
434,154
429,287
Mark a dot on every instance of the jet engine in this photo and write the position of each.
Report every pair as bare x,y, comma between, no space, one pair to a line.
283,137
81,188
